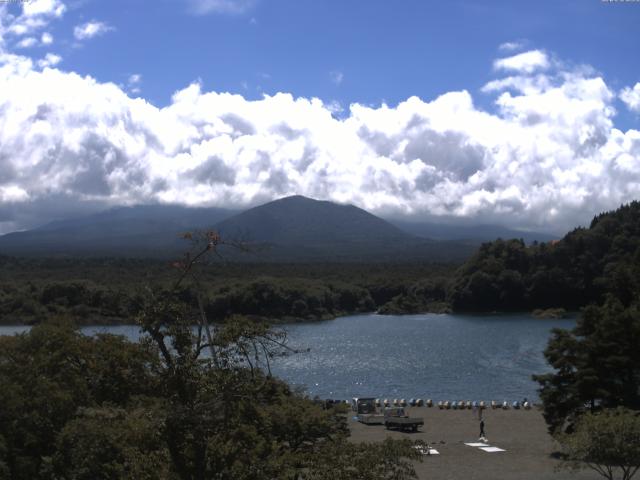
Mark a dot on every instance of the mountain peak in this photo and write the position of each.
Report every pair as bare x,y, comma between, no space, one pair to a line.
301,220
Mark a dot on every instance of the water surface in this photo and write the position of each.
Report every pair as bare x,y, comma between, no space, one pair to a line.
454,357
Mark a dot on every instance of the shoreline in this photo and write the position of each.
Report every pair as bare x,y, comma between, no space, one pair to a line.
276,322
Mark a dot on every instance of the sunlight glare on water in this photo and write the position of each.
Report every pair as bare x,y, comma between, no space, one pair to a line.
455,357
443,357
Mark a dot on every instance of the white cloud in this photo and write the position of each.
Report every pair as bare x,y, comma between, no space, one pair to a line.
135,78
50,60
27,42
631,97
549,157
36,14
511,46
47,8
526,62
90,30
12,193
336,77
203,7
133,84
335,107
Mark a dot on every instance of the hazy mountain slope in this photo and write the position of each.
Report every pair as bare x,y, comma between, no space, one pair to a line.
292,229
299,220
146,230
474,233
301,229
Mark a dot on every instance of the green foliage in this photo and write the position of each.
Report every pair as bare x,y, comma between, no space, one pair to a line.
582,268
427,295
108,291
597,365
112,443
385,461
48,374
290,298
608,442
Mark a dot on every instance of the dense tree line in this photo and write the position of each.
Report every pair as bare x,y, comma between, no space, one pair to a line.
578,270
105,291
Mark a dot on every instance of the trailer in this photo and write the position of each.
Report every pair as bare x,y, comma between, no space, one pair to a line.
396,418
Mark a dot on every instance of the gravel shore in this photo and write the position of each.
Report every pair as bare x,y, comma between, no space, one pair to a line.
521,433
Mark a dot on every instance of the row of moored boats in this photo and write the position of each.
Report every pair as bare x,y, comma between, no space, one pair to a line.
455,405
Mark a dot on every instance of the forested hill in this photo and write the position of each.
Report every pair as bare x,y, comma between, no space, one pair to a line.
577,270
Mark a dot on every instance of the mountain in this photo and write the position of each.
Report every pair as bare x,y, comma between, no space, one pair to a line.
143,230
474,234
302,229
298,220
290,229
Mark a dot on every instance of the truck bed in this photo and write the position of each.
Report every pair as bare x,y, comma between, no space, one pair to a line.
404,423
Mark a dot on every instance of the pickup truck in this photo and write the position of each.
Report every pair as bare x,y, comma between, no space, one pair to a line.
396,418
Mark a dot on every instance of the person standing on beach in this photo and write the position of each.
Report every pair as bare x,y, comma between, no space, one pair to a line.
482,434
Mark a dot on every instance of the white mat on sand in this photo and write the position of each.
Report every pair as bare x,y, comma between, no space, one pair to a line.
492,449
477,444
425,451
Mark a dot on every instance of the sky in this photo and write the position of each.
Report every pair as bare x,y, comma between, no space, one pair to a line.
518,113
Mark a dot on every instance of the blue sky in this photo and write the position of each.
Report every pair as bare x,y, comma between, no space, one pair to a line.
381,50
514,112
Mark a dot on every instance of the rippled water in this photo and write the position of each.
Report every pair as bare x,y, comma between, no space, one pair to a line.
454,357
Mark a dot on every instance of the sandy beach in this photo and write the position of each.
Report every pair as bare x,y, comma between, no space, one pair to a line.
521,433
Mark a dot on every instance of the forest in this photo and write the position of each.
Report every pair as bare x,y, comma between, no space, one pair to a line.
111,290
578,270
503,275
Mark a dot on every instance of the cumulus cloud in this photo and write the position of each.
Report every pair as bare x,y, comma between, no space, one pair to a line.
631,97
35,15
550,155
203,7
50,60
90,29
37,8
27,42
527,62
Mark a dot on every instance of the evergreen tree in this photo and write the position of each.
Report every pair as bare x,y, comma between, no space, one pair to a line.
597,365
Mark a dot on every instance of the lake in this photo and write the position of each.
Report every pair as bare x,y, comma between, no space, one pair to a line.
443,357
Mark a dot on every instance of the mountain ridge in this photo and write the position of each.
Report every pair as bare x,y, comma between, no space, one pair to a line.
294,228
